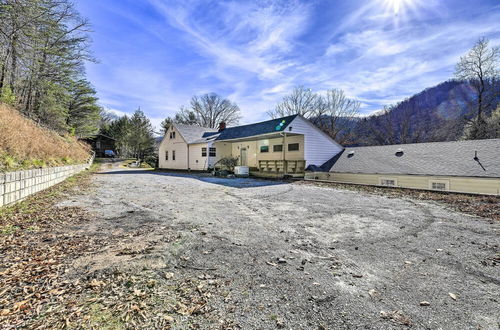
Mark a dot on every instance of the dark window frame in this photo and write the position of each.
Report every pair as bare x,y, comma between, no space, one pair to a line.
266,149
280,148
203,152
293,144
173,154
212,152
166,155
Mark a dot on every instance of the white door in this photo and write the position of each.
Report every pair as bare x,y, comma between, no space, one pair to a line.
243,157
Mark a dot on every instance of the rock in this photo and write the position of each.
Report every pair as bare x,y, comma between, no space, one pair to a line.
281,261
280,323
425,303
373,293
169,318
439,250
408,262
168,276
453,296
357,275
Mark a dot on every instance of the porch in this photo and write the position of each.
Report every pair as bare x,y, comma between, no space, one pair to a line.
280,168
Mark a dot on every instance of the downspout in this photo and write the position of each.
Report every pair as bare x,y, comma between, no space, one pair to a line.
189,167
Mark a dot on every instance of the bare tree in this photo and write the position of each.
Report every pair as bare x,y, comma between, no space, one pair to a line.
301,101
333,112
336,114
479,67
209,110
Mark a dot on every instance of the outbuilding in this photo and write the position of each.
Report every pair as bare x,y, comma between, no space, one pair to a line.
471,166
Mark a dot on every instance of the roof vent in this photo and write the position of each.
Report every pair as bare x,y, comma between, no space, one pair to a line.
400,152
350,153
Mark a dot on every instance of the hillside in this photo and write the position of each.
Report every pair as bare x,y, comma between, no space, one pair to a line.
435,114
24,144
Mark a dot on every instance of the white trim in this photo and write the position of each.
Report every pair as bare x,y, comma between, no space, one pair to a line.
313,126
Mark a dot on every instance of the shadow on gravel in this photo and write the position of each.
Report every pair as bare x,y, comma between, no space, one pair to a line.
227,182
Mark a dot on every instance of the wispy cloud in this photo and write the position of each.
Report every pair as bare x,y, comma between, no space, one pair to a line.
254,52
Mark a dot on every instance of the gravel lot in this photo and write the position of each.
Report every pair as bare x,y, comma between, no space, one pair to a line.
300,256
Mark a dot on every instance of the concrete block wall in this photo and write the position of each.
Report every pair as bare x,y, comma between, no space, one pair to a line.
15,186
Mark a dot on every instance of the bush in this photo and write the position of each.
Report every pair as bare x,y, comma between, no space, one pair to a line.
228,163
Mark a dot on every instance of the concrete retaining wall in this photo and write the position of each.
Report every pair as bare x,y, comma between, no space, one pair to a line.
15,186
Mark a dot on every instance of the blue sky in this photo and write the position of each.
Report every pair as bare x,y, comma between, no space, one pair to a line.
156,54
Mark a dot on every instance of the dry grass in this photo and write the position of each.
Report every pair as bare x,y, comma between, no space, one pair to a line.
24,144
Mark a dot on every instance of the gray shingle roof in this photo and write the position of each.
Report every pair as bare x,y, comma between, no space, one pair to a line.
454,158
192,133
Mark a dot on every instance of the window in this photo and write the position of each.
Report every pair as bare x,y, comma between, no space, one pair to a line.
98,145
388,182
172,135
293,147
439,186
173,154
203,152
264,148
166,155
277,148
212,152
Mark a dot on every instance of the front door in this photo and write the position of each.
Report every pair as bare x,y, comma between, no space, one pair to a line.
243,157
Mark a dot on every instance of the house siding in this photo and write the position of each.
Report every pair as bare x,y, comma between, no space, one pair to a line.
318,147
251,147
488,186
181,151
196,161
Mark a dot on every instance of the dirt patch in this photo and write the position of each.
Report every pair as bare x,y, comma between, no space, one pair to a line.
164,250
483,206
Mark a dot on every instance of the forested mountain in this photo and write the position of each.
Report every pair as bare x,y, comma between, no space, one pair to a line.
43,47
439,113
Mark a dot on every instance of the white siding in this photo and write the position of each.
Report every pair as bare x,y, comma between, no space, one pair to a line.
196,161
181,151
318,147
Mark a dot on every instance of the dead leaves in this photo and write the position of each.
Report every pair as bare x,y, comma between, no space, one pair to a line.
396,317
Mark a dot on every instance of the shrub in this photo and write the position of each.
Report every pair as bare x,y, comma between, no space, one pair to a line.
228,163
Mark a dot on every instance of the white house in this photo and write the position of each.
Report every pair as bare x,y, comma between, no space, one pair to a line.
271,148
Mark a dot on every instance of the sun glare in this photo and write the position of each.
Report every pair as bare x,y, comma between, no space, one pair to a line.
398,5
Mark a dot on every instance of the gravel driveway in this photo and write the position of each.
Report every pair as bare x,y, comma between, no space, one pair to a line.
299,256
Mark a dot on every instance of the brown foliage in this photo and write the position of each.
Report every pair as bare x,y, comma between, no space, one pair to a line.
24,140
